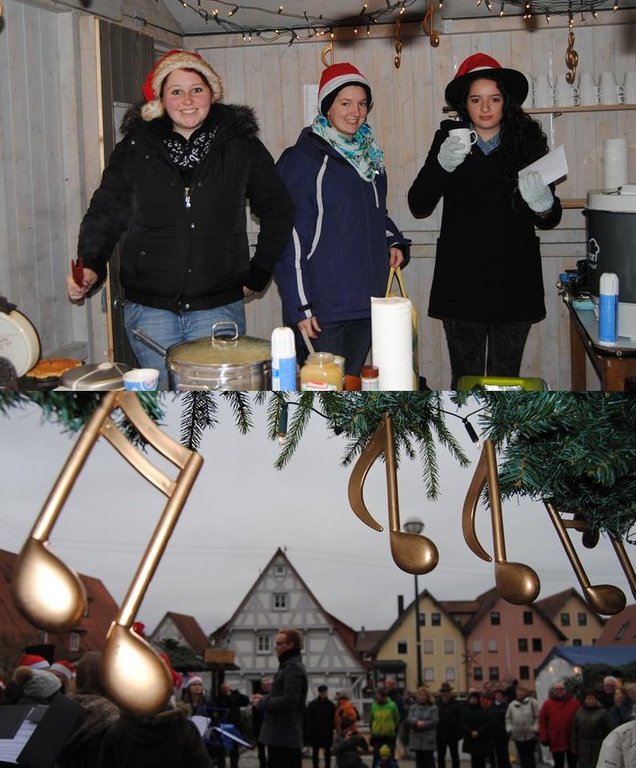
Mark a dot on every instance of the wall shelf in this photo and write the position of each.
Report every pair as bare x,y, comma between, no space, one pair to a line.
587,108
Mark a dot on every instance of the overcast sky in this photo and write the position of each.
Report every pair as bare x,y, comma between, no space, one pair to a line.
241,509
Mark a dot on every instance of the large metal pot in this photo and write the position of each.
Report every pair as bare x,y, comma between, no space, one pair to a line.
218,361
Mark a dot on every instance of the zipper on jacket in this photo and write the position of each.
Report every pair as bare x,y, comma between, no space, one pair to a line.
188,204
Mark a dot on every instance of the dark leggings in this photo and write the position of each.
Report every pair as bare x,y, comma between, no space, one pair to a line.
478,349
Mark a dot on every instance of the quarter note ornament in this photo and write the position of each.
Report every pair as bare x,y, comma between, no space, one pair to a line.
517,583
51,595
411,552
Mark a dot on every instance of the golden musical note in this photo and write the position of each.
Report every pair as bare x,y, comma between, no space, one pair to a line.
427,26
149,689
517,583
411,552
397,60
603,598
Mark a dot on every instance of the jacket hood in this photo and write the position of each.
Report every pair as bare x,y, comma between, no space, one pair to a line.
238,119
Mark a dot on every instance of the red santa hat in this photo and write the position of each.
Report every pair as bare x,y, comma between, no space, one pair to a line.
336,77
476,66
175,59
64,668
33,661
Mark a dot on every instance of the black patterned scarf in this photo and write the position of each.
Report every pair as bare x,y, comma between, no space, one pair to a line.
187,154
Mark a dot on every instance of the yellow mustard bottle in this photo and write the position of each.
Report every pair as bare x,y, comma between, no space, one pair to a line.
320,373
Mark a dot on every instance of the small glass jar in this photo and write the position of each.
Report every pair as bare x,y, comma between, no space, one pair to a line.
369,378
321,373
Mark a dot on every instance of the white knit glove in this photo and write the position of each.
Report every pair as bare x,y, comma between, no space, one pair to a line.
452,153
535,191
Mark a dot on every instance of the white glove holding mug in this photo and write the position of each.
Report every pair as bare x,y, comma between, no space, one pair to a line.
452,153
535,192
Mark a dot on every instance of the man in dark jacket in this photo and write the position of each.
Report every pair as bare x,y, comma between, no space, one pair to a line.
320,725
448,726
283,708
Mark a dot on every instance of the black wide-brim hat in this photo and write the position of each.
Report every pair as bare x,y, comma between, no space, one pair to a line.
478,65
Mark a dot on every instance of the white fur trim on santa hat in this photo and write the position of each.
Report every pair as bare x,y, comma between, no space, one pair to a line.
173,60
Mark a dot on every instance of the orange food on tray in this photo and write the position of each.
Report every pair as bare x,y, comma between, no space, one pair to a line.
53,367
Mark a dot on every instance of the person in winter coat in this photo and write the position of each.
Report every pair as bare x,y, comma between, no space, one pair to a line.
384,720
500,737
320,716
487,289
343,240
100,713
346,712
348,745
165,740
476,730
448,727
38,686
177,185
283,707
522,723
227,707
618,749
421,720
555,724
623,708
590,726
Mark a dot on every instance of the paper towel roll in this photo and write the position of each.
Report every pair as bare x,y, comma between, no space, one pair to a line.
392,342
614,163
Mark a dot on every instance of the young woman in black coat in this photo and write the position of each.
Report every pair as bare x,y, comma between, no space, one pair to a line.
488,285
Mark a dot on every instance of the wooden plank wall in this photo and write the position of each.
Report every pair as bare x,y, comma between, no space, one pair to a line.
406,113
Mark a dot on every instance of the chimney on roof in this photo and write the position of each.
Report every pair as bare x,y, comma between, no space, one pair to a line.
363,631
400,605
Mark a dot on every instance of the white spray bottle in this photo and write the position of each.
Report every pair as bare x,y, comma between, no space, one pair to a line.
283,360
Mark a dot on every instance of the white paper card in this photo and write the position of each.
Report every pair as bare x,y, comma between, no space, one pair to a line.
552,166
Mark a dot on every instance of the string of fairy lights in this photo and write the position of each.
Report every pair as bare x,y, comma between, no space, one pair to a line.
224,16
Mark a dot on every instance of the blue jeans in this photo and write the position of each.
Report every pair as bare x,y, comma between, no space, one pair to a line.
349,338
168,329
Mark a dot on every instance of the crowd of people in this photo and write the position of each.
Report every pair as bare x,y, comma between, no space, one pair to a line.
176,187
492,726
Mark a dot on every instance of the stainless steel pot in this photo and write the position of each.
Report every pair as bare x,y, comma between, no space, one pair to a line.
217,362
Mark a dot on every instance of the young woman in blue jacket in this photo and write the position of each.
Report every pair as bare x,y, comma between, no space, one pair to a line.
343,241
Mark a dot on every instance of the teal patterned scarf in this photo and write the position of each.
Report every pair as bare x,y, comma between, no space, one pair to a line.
360,150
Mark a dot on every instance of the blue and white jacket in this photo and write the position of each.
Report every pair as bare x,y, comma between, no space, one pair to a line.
338,256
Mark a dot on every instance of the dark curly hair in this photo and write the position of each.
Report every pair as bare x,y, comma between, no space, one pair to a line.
522,138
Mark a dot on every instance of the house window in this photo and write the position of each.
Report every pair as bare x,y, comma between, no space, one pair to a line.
476,646
492,646
581,619
429,674
402,647
524,673
436,619
263,643
577,641
478,673
421,618
495,618
528,617
74,642
522,644
44,636
279,570
449,645
565,619
537,644
450,675
427,646
493,673
280,601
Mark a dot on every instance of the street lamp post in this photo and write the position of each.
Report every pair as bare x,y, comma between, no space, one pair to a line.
415,525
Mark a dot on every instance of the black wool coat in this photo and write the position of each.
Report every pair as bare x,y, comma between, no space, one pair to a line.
488,263
185,244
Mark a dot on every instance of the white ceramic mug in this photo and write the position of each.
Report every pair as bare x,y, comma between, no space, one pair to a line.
565,94
629,88
588,90
610,91
466,135
543,92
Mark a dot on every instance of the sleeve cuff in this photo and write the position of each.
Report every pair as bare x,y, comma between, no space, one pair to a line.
257,278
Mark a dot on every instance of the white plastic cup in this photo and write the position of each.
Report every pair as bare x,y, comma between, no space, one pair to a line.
588,90
543,92
610,91
629,88
141,379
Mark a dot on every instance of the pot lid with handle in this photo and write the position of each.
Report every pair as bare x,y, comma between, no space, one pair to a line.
19,342
100,377
222,349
